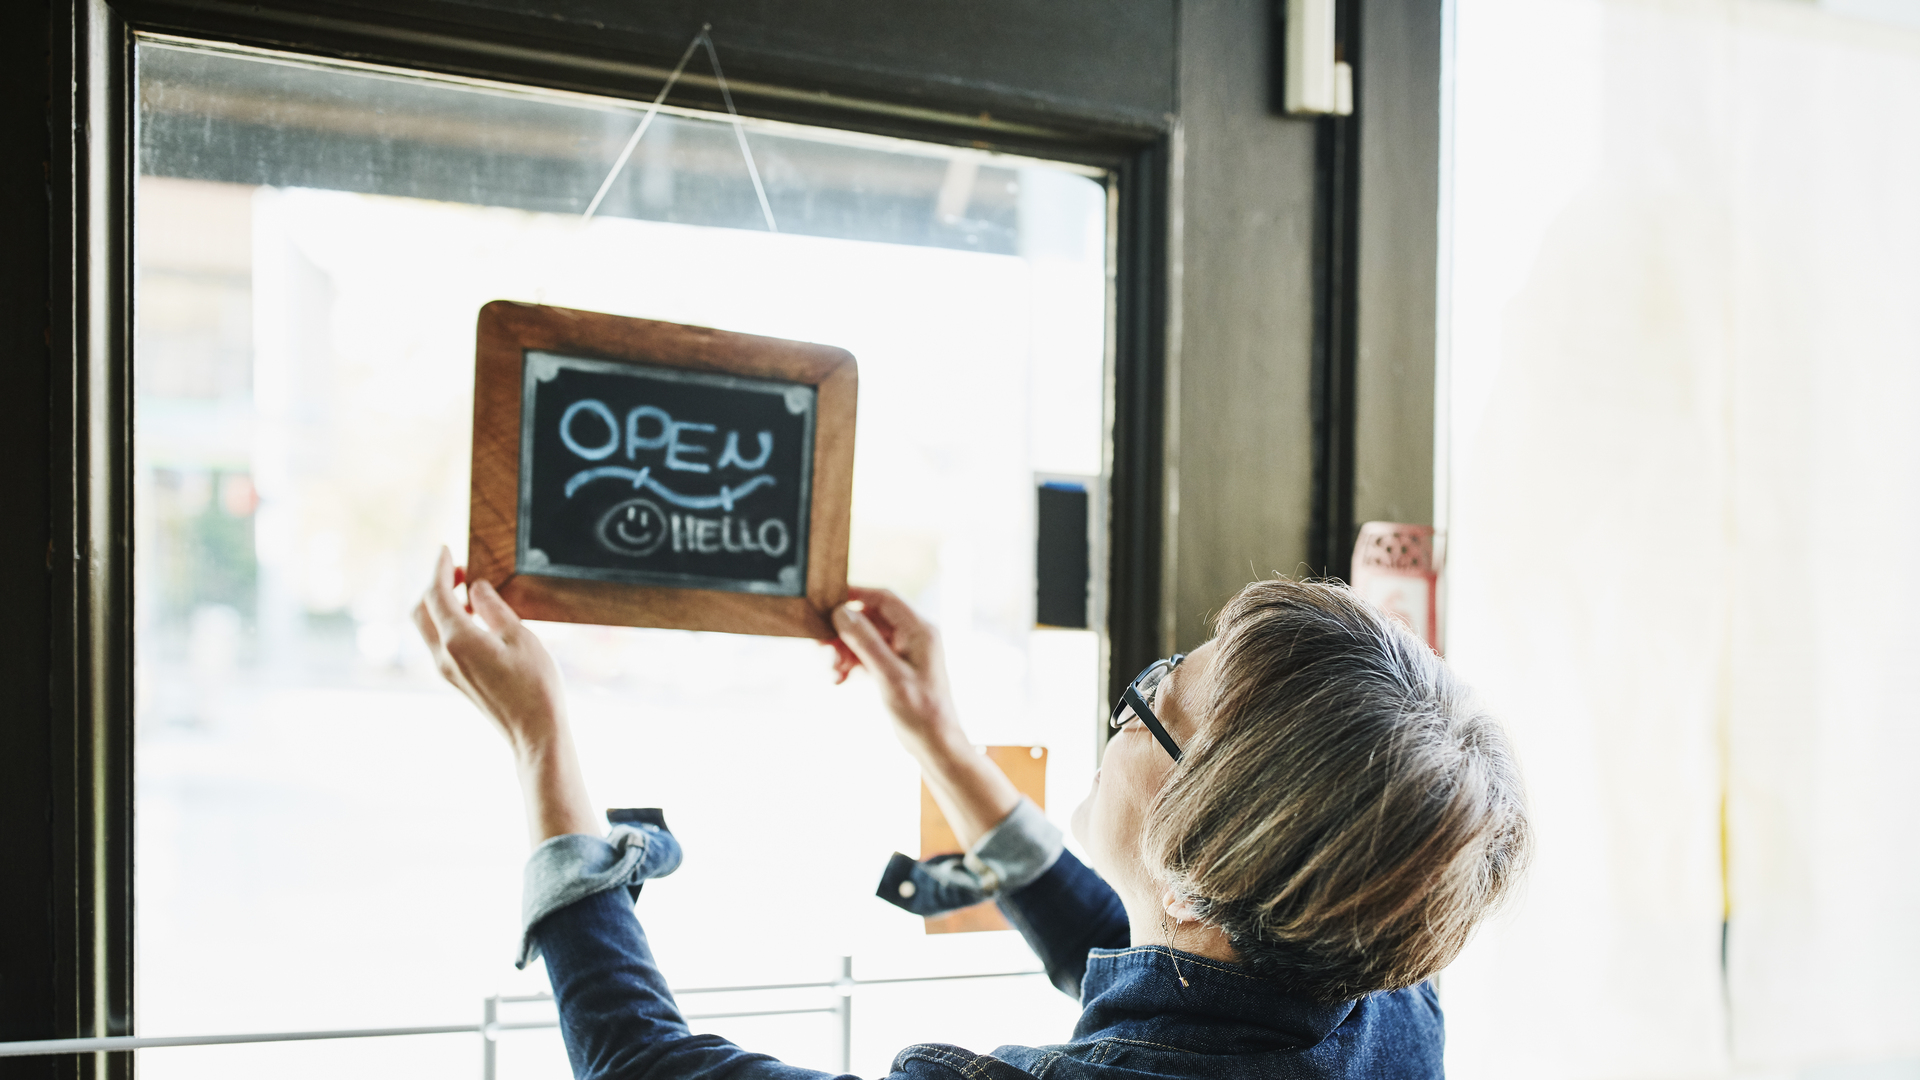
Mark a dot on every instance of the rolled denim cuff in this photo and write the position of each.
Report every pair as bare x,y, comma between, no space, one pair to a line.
567,869
1019,849
1013,855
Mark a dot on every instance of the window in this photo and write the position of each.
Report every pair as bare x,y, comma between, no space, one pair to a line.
326,835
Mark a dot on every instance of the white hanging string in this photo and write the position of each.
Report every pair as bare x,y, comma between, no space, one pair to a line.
739,131
645,122
739,128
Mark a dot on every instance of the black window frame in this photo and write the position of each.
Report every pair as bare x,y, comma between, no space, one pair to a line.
84,784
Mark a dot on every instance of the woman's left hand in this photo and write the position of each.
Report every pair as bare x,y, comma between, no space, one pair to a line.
497,662
504,670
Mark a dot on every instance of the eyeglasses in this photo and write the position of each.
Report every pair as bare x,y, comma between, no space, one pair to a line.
1139,696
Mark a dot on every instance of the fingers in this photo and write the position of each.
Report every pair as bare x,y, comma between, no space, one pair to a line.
423,621
909,634
844,660
441,603
489,606
443,661
451,633
863,638
860,599
886,607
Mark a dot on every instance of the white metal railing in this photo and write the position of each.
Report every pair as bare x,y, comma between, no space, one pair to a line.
490,1025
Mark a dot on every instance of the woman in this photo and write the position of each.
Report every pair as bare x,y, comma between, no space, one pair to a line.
1293,828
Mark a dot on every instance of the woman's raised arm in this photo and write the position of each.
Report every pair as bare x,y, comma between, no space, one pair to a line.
504,670
1063,911
617,1017
902,652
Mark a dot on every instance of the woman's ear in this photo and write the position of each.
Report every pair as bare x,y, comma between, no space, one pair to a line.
1177,907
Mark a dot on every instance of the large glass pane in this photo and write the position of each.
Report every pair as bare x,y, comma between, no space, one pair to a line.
329,837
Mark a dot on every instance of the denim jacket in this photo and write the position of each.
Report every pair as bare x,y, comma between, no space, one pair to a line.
619,1020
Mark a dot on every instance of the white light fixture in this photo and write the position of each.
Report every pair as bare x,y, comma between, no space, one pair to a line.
1316,83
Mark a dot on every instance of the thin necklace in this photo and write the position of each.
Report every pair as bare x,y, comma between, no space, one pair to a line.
1166,927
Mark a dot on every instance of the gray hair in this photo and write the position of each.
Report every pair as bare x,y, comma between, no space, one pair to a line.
1346,814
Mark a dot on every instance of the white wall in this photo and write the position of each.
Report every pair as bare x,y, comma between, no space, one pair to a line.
1681,481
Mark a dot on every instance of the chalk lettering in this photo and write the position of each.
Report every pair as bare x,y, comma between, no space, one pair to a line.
729,494
779,527
704,539
705,536
635,443
640,478
605,414
585,476
675,447
731,455
670,437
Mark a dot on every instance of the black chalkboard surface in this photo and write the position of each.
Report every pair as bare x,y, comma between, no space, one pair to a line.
643,473
662,476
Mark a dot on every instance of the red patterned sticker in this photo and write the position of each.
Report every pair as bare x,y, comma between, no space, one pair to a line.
1394,569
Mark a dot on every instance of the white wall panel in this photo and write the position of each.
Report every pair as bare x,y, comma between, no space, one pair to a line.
1825,736
1682,474
1588,458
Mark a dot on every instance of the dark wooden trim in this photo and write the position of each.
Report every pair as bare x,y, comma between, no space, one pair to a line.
33,882
91,527
508,330
1336,246
468,41
1137,515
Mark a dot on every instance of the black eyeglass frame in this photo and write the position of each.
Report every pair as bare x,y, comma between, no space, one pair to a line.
1131,698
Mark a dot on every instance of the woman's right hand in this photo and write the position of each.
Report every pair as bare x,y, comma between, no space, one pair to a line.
902,653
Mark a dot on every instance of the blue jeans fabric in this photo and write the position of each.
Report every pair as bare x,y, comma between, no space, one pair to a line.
1064,914
566,869
1009,857
620,1022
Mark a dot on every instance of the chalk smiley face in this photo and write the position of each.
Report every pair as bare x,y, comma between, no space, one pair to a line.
635,527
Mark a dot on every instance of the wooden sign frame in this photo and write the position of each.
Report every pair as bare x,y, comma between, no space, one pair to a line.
508,330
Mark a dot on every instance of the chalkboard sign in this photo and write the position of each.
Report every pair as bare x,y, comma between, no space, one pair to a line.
660,475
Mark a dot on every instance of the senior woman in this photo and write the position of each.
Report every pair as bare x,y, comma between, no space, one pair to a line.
1293,828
